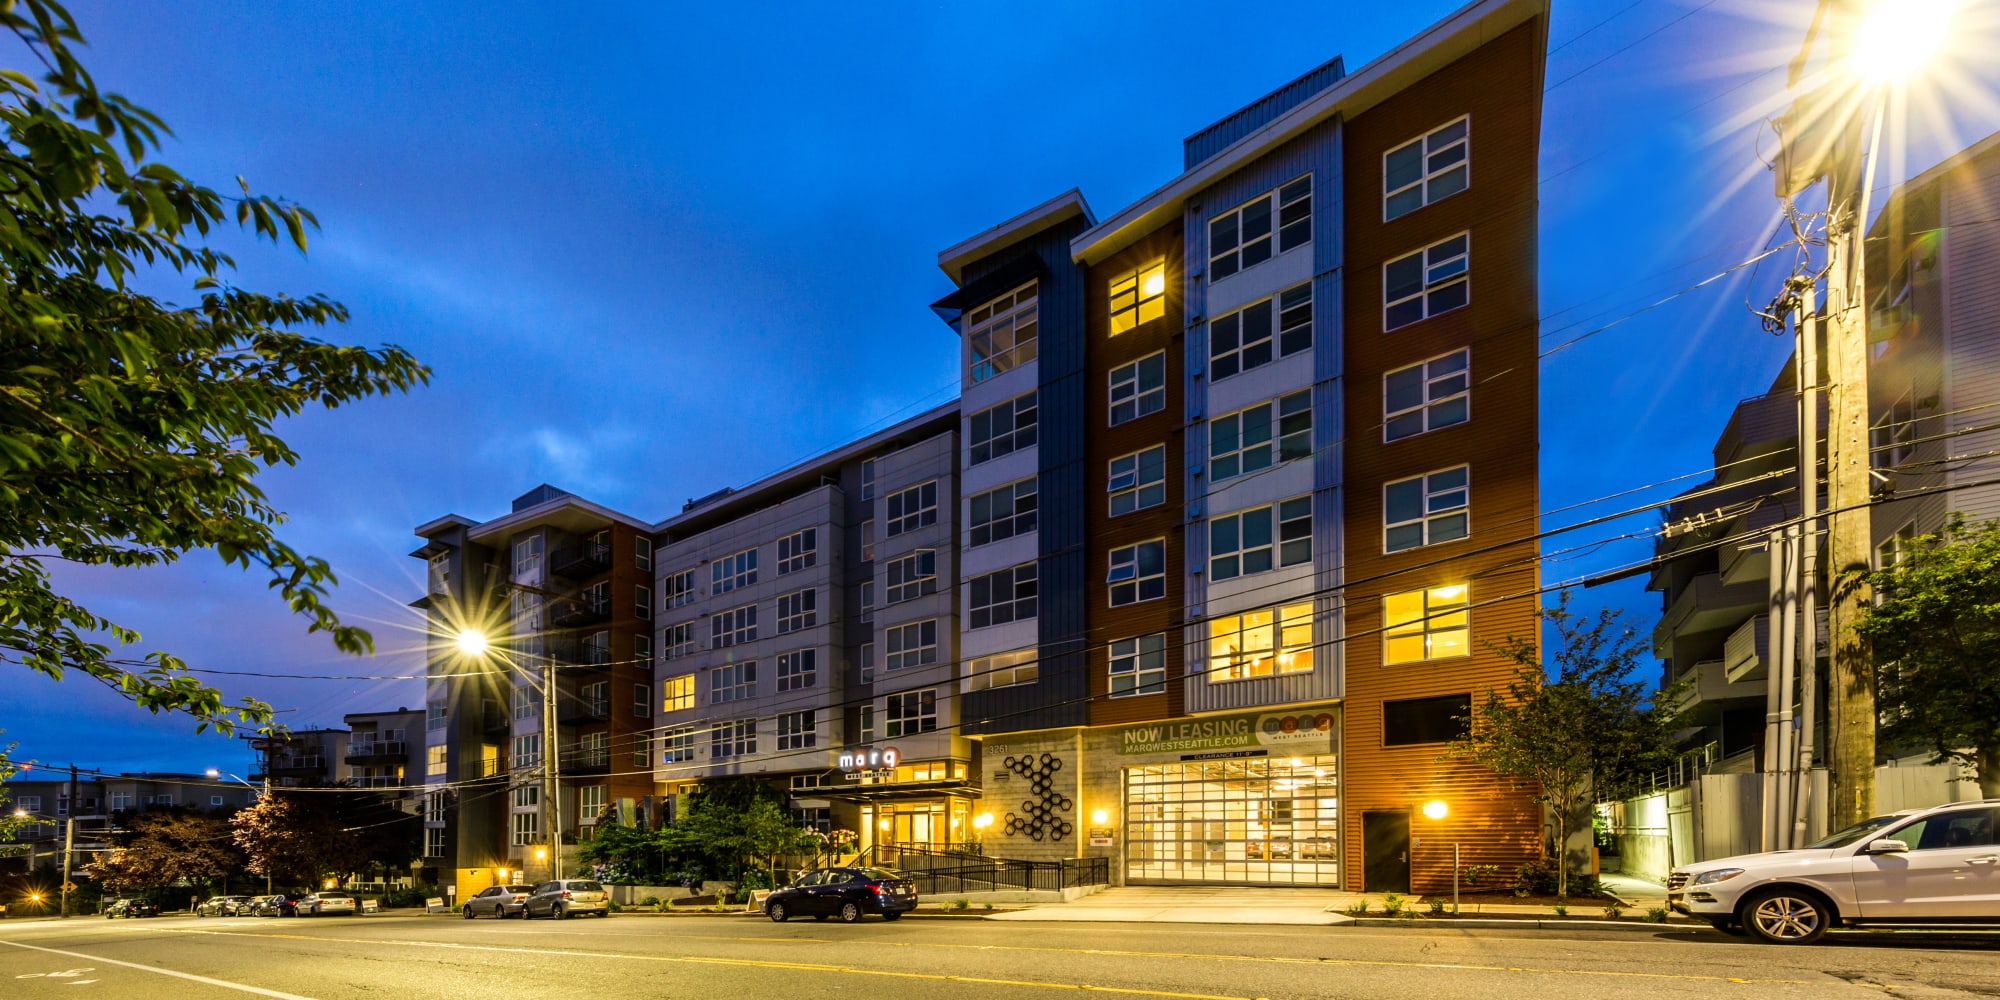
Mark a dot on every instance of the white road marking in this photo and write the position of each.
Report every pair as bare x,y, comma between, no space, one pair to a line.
189,976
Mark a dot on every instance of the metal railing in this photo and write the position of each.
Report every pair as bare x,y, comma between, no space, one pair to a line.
940,871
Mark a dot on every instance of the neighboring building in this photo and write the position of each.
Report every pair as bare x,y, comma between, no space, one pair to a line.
104,802
301,757
385,749
46,800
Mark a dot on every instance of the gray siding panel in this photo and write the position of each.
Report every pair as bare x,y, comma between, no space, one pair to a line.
1221,135
1972,328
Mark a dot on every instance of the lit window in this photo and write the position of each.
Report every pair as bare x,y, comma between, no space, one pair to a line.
1425,510
1000,670
1138,480
1244,441
1139,388
1427,396
1261,643
1427,624
1250,337
1242,237
1425,169
1244,543
1001,335
677,693
1423,284
1139,666
1138,296
1138,573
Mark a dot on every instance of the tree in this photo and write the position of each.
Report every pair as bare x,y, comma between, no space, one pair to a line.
167,848
1935,630
303,835
132,429
1576,727
8,821
733,822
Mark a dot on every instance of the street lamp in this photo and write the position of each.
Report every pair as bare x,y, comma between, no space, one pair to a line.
261,794
1436,810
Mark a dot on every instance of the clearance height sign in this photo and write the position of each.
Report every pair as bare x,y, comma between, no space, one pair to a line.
1247,735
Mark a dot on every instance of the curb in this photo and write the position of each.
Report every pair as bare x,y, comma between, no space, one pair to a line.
1549,924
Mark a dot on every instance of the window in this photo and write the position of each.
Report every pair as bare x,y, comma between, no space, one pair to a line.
527,828
1001,597
434,760
1896,547
214,801
1423,284
867,663
642,553
1138,296
732,739
1245,543
528,750
798,610
677,745
731,572
528,797
1138,480
798,670
642,701
680,640
798,730
1426,625
163,800
680,588
913,645
28,803
868,480
434,842
594,749
528,558
867,600
1242,237
867,723
1139,666
868,540
995,431
524,702
1250,337
642,652
434,716
1426,720
1138,573
1001,514
1139,388
1427,396
732,682
1000,670
1960,828
121,800
590,802
910,713
816,818
911,577
1242,442
1002,333
913,508
677,693
1893,437
642,602
440,574
798,550
642,750
1261,643
729,628
1425,510
1425,169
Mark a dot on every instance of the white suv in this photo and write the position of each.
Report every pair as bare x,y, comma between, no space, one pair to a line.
1937,867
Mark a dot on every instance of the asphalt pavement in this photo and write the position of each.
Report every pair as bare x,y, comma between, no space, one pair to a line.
722,956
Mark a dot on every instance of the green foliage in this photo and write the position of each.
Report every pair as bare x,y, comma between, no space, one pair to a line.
413,896
132,429
1935,631
1475,874
1357,908
1656,915
1575,723
1392,904
960,905
8,822
1560,909
1437,907
736,822
1613,911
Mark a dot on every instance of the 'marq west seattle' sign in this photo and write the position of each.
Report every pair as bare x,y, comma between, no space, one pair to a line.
1248,735
869,760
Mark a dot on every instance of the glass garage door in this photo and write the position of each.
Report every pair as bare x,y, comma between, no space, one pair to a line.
1250,821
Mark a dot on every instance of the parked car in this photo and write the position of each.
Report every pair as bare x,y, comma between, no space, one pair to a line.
279,905
1936,867
319,904
847,893
567,898
132,908
501,901
222,906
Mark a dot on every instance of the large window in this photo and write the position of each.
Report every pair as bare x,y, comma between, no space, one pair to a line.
1138,480
527,828
680,588
1427,396
1423,284
913,508
732,682
1138,296
1001,514
1139,666
677,745
1258,437
1426,510
1000,670
798,670
680,640
1250,337
1253,541
1261,643
528,751
1255,820
1892,440
797,611
1138,573
1004,596
590,801
733,627
1243,236
1429,624
798,730
1139,388
732,739
1426,720
910,577
677,693
434,715
912,645
642,701
528,558
998,430
1002,333
733,571
1426,168
910,713
798,550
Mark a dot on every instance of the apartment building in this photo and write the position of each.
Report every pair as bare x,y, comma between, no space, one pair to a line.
314,756
384,749
561,588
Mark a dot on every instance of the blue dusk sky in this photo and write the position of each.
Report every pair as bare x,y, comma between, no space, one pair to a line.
655,249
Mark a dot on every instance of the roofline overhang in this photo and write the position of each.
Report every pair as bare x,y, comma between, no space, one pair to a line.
1056,210
429,528
1421,55
508,523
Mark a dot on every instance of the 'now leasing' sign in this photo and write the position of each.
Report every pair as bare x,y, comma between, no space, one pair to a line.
1290,732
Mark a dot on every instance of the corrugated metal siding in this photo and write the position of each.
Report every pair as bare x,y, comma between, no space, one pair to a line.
1219,136
1972,328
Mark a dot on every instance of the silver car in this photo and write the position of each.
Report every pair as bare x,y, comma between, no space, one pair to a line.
323,903
223,906
501,901
568,898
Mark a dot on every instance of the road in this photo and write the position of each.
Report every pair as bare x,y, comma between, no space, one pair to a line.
718,956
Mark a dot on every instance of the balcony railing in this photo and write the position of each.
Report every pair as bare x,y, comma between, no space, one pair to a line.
294,766
581,561
573,711
361,753
584,609
579,653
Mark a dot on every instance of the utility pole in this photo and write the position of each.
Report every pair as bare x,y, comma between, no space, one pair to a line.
69,838
551,765
1807,347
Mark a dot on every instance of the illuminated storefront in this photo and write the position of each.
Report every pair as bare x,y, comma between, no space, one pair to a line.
1253,820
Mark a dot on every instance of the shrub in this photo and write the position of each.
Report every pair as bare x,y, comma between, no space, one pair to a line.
1357,908
1536,878
960,905
650,901
1656,915
1613,911
1475,874
1561,910
989,906
1392,904
1437,907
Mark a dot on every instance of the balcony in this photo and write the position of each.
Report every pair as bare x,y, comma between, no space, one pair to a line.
378,781
577,711
588,608
1707,604
581,561
298,767
573,652
1709,684
585,763
377,752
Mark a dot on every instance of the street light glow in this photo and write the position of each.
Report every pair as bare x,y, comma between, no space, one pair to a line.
1897,37
1436,809
471,642
213,773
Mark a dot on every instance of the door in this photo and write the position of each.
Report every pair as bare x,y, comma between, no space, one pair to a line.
1952,870
1385,852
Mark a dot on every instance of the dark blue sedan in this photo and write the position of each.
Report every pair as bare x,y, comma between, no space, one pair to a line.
847,893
